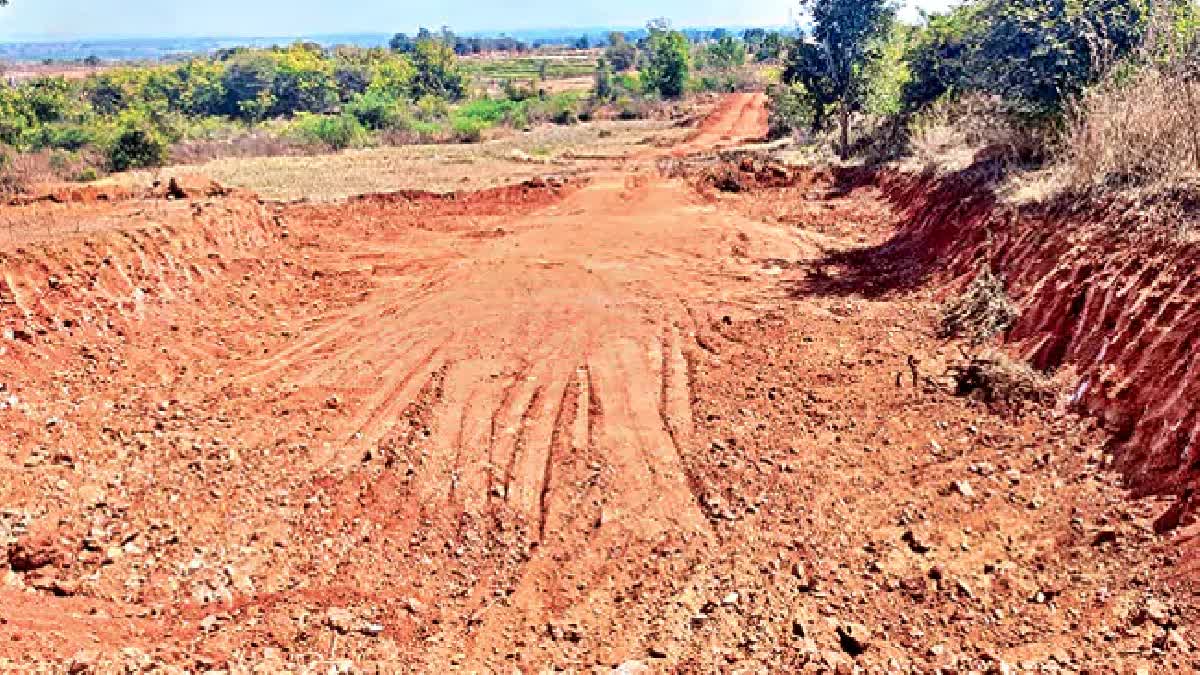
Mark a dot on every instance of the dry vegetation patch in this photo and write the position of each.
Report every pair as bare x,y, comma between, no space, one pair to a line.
510,159
1144,131
997,379
981,312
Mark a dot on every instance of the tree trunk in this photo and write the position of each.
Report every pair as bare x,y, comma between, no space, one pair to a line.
845,149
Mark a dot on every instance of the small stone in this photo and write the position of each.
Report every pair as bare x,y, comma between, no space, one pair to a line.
1155,612
854,638
341,620
916,542
964,488
800,571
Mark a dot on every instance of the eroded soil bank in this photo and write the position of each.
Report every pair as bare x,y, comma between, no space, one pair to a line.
1106,288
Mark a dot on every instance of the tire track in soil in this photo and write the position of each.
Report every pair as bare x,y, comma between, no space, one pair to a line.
567,330
564,419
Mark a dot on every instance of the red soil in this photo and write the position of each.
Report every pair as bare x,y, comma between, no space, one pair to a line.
613,422
1102,291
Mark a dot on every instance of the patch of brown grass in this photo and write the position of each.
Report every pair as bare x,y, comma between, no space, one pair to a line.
996,379
1136,132
22,171
513,158
979,313
250,144
952,133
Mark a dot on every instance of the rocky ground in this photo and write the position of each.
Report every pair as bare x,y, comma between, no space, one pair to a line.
626,422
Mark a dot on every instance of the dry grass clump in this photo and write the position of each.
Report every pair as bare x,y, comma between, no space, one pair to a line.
250,144
953,131
1139,131
997,379
21,171
983,311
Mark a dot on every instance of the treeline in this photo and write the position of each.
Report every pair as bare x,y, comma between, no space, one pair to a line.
1021,71
130,116
760,41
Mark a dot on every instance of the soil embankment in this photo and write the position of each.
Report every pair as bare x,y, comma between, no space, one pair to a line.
1104,289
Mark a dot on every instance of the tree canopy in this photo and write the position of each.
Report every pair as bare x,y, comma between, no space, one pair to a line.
831,61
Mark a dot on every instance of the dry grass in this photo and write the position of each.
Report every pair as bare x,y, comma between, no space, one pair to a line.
952,133
251,144
1143,131
514,157
981,312
997,379
23,172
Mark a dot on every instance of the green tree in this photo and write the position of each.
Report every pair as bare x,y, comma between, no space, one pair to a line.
941,56
249,84
304,80
669,61
771,47
402,43
1043,51
437,71
604,80
725,54
622,55
137,147
831,63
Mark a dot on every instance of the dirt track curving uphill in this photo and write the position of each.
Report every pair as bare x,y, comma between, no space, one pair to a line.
611,422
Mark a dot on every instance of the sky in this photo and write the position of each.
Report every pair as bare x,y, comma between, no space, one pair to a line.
169,18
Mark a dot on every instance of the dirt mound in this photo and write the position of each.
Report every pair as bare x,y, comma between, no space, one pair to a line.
527,193
187,186
70,193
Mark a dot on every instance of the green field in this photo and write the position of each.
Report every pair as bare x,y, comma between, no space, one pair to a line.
550,68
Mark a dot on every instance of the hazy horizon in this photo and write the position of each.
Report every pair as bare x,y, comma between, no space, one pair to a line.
74,20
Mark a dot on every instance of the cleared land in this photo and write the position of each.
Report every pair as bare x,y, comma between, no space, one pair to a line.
623,422
514,157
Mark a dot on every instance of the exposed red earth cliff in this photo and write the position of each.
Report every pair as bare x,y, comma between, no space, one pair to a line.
1106,287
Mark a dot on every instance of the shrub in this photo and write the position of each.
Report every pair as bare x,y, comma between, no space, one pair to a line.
1137,130
998,380
378,110
669,63
790,110
437,71
137,147
468,129
954,129
336,131
65,136
604,88
432,109
487,111
981,312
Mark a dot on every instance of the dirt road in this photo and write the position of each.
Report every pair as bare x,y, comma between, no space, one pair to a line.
590,426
